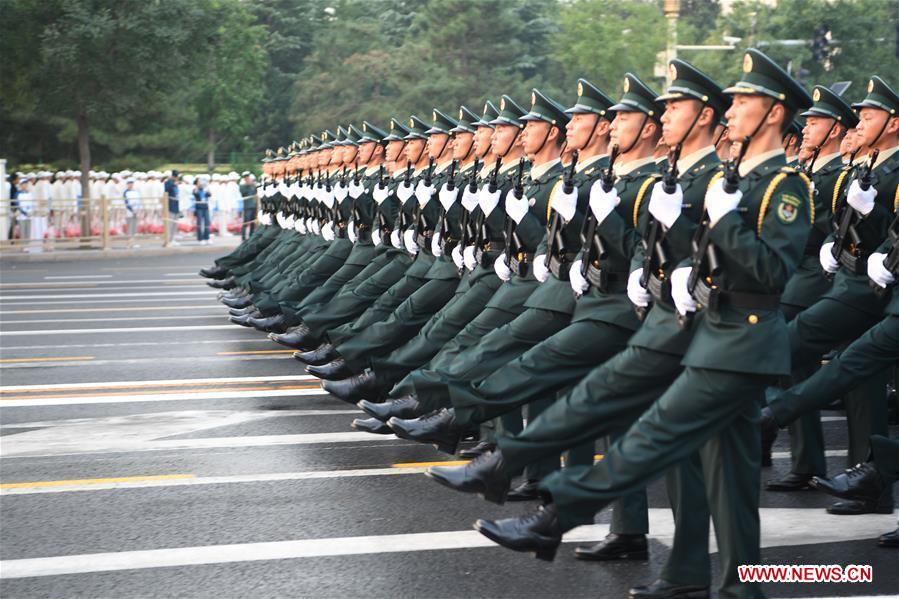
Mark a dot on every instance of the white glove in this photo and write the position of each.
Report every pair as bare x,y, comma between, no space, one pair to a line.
469,199
877,272
305,192
666,207
683,301
468,257
327,197
487,200
404,192
825,257
448,197
541,272
718,202
280,219
635,292
435,245
300,226
356,189
340,192
564,203
288,222
501,268
516,208
861,200
376,237
328,232
265,218
380,194
602,202
578,283
423,193
351,232
457,257
316,226
409,241
395,239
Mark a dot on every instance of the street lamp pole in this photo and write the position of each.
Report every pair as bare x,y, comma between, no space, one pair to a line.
672,11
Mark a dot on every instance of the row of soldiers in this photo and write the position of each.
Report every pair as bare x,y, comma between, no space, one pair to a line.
650,273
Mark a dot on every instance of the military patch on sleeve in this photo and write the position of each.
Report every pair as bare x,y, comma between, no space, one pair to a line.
788,209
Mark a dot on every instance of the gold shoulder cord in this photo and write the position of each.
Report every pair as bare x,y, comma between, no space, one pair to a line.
714,178
811,195
896,200
641,193
836,190
766,200
549,204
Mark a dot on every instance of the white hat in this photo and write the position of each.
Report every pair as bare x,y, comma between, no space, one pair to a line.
60,174
129,180
188,178
70,173
77,173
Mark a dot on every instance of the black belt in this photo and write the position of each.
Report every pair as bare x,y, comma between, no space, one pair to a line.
659,289
713,298
520,262
340,232
448,244
855,264
561,265
600,277
423,235
487,254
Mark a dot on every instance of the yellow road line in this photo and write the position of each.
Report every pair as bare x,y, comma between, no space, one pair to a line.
61,359
93,481
313,385
427,464
252,353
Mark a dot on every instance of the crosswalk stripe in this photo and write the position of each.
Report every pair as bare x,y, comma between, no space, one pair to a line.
207,291
158,383
111,399
218,314
34,332
780,527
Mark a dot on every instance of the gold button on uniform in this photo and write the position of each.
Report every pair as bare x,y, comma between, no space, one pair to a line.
753,319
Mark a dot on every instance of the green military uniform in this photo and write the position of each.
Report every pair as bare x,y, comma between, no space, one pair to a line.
810,284
713,404
851,307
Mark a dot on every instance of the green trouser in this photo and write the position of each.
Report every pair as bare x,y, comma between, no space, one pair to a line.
818,329
268,301
278,249
436,334
606,403
361,257
384,272
387,302
885,455
403,324
865,359
247,250
315,274
714,412
806,433
297,253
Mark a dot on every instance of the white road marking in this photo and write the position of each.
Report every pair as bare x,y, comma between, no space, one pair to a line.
780,527
219,315
156,382
33,332
220,342
51,277
104,399
109,310
208,291
180,274
194,280
176,360
154,301
14,293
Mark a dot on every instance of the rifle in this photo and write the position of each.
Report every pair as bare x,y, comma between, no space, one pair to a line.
451,182
407,181
518,191
592,241
556,242
472,185
383,224
891,260
845,226
421,224
450,186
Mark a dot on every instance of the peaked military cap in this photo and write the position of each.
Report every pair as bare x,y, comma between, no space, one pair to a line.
353,135
796,127
340,139
398,131
510,113
763,76
269,155
590,99
880,95
544,108
418,129
441,123
638,97
371,133
828,104
281,154
688,82
488,115
327,139
467,121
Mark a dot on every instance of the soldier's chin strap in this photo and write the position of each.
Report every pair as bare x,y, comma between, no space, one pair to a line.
637,136
818,146
680,144
746,140
511,145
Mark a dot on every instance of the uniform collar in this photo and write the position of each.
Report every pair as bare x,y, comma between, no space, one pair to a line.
582,165
541,169
885,155
507,166
692,159
442,166
824,161
627,168
747,166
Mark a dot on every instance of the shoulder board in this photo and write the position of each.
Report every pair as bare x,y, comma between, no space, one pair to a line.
641,193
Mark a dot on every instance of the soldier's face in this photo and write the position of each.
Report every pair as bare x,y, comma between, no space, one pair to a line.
677,119
394,150
814,133
579,130
870,123
503,138
350,153
626,128
536,134
745,114
414,149
482,138
324,157
367,151
462,143
436,144
849,143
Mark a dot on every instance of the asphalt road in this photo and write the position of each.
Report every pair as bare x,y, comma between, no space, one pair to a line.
148,448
